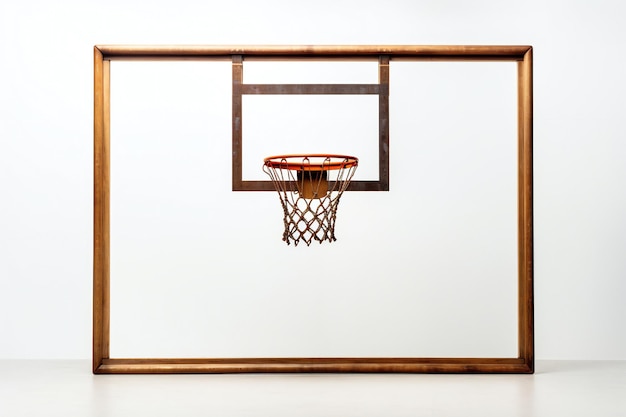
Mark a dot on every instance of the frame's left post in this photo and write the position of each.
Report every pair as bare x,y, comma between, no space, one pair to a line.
101,209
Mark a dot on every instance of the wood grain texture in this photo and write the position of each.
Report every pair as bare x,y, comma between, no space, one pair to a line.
525,199
294,365
310,89
355,185
101,262
383,123
449,52
237,116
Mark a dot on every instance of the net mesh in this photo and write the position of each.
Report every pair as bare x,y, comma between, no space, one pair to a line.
309,193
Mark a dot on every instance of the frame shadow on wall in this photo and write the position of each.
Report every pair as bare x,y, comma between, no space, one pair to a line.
433,275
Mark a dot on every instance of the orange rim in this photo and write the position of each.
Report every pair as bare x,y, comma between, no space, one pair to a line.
311,162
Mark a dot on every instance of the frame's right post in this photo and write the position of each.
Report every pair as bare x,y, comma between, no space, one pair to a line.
525,126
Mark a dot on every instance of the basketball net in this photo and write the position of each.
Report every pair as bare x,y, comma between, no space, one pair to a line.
309,195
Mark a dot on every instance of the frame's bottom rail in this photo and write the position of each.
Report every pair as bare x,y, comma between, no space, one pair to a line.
310,365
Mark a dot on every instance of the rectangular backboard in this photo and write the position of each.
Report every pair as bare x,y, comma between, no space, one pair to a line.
384,56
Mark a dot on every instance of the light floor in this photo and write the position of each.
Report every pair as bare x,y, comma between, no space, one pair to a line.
67,388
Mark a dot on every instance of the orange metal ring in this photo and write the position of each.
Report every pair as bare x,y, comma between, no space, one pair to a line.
311,162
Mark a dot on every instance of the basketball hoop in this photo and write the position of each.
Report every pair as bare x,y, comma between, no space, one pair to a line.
309,187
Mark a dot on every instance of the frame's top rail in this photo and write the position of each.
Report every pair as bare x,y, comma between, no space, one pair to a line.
456,52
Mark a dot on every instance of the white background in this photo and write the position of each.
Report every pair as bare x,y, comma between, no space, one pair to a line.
426,269
46,145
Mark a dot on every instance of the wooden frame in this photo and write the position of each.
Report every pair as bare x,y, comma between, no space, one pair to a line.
381,89
103,364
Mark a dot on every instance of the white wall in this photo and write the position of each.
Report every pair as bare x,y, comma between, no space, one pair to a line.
197,270
46,144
